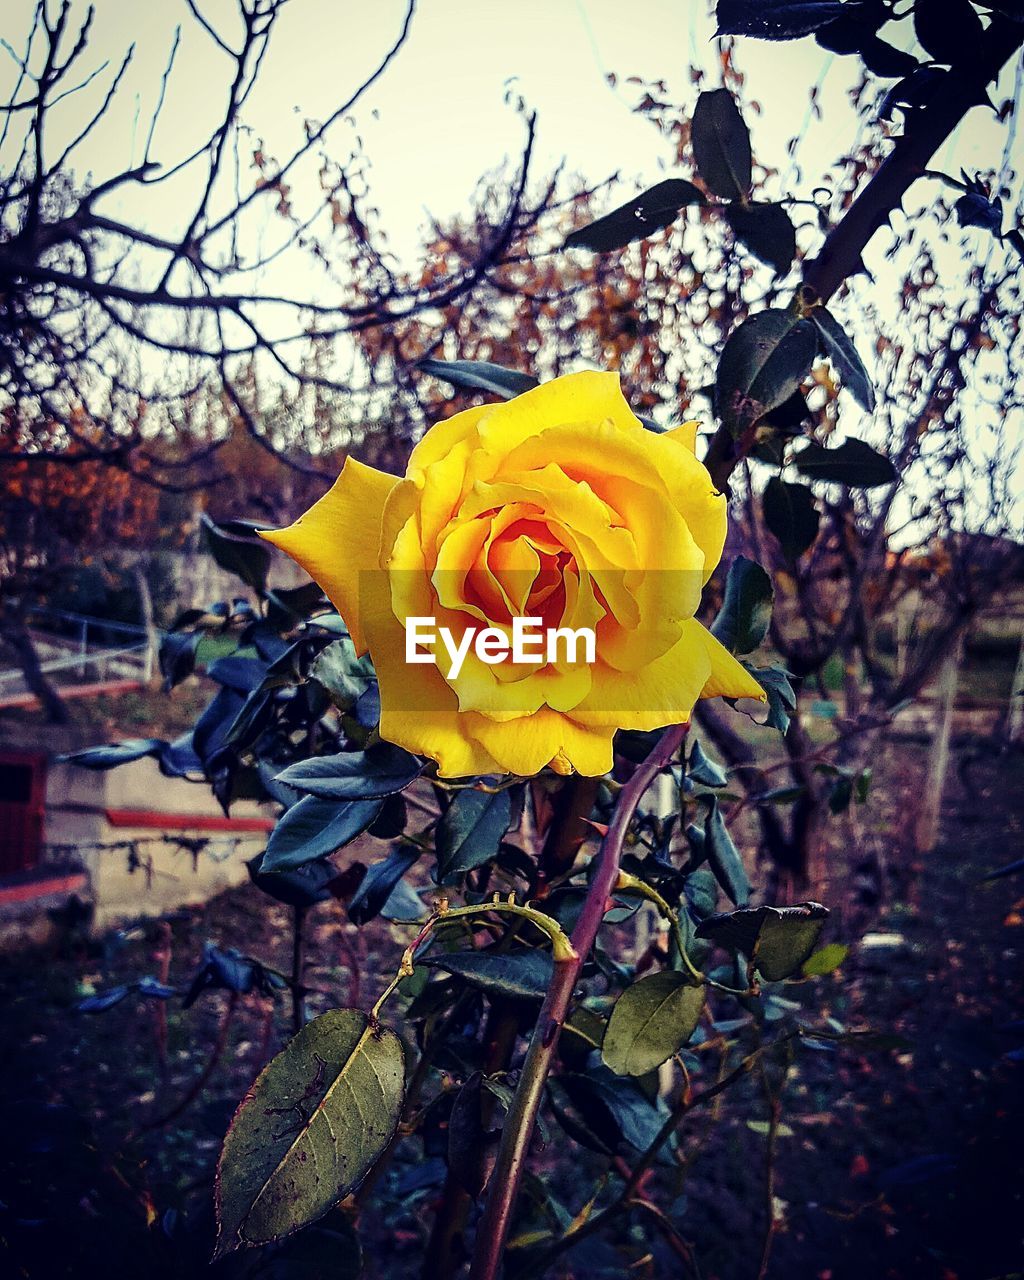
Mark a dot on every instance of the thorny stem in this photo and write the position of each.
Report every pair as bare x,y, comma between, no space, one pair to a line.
298,963
634,885
197,1086
627,1196
522,1115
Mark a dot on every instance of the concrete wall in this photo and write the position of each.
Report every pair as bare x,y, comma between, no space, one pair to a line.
162,875
170,875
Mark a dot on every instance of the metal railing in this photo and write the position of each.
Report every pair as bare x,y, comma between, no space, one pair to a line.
89,653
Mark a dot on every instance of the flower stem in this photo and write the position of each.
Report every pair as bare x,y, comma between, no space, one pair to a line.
522,1116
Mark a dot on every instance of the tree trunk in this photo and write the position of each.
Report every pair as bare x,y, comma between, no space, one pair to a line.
16,634
146,609
926,831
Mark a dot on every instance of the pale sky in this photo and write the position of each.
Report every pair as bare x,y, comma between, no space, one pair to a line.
438,119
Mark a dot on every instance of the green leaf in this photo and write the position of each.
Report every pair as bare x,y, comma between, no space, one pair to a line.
826,959
852,463
767,230
721,144
651,1020
480,375
724,858
762,1128
313,828
354,775
777,940
310,1129
837,344
746,611
525,975
638,218
471,831
762,364
791,515
247,558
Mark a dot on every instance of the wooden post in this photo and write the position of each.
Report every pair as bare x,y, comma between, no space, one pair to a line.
1015,715
146,609
926,830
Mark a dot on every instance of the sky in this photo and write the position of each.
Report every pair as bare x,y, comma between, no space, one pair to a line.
439,117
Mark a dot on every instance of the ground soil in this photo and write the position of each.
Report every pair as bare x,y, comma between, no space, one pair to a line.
906,1162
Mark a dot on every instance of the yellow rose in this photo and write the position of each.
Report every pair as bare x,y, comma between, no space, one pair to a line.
556,505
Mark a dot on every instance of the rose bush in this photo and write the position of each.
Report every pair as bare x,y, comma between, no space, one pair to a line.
560,505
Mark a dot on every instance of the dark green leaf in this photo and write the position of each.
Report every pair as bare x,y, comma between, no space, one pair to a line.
852,463
840,794
480,375
638,218
790,513
762,364
212,727
337,669
179,758
781,697
886,60
379,882
288,605
789,418
746,611
767,230
1010,869
701,768
247,558
524,975
117,753
310,1128
471,1146
977,210
313,828
950,30
721,144
390,822
303,886
775,19
777,940
354,775
471,831
838,346
724,858
865,1041
101,1001
650,1022
177,656
240,674
602,1096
